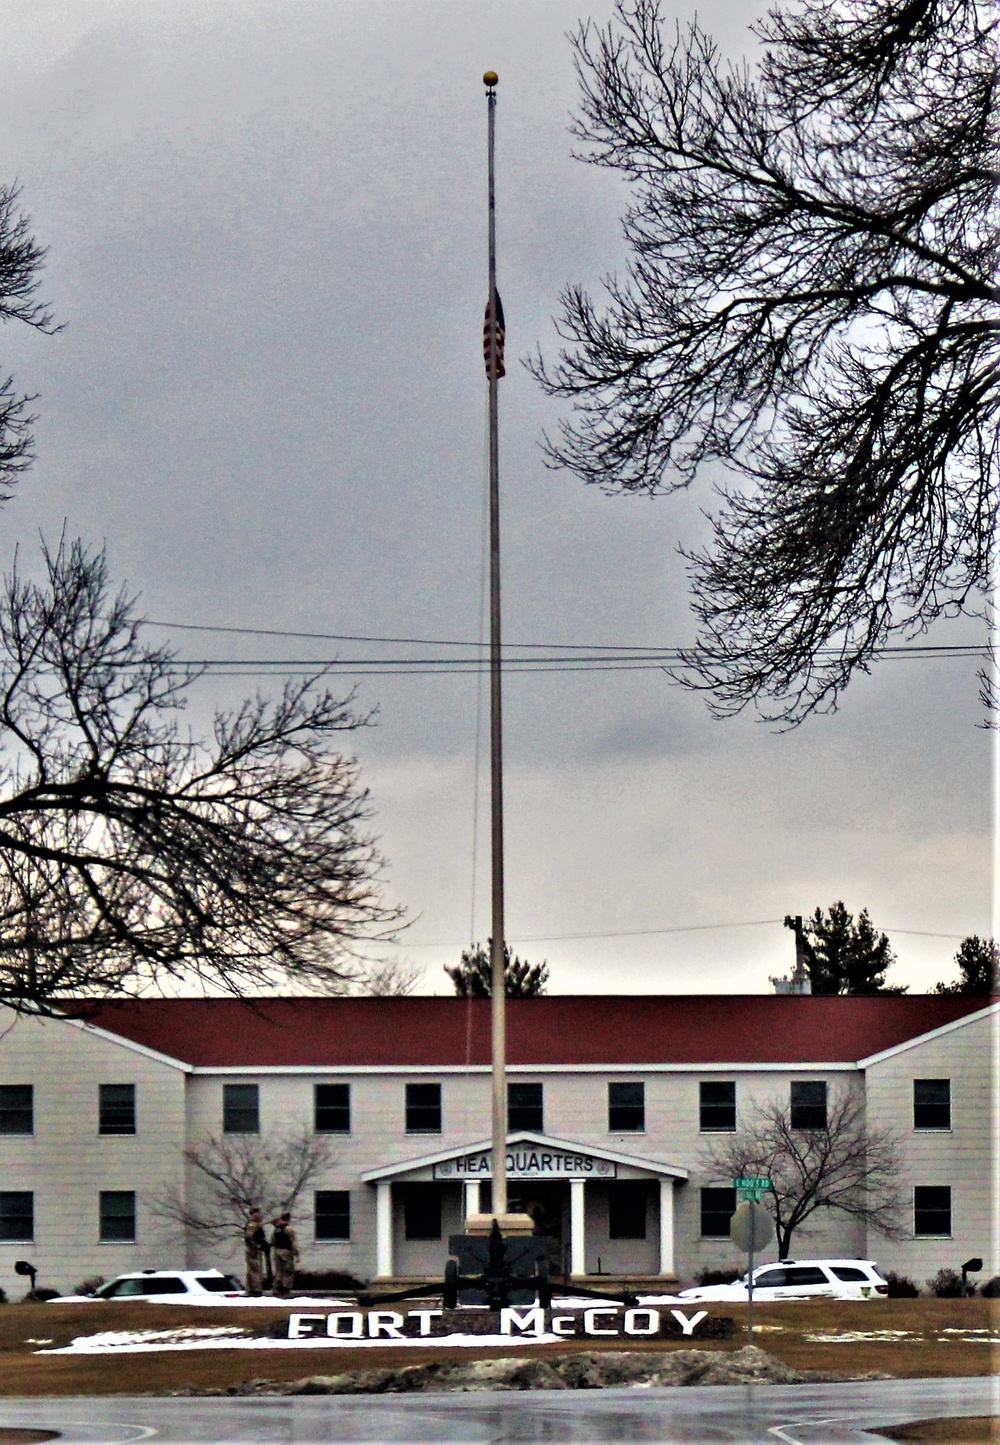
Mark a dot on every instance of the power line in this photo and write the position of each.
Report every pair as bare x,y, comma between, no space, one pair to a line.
655,932
668,651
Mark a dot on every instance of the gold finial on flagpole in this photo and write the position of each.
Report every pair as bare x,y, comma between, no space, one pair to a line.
490,78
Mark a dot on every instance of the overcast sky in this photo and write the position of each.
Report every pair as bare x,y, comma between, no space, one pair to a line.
266,233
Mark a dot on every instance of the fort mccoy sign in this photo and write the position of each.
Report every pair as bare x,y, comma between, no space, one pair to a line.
525,1324
526,1161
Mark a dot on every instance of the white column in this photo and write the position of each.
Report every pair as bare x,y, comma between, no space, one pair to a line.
383,1228
471,1197
577,1228
666,1226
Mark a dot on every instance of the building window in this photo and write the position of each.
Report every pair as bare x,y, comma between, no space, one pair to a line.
717,1106
422,1211
932,1103
17,1109
932,1210
423,1116
17,1215
240,1109
717,1209
333,1214
116,1109
627,1210
333,1109
626,1108
808,1104
117,1216
524,1106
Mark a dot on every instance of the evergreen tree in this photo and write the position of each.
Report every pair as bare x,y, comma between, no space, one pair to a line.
848,957
473,977
978,961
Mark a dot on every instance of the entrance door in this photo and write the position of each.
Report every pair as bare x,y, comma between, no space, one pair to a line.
548,1204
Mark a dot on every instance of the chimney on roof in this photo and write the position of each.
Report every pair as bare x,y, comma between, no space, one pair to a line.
800,981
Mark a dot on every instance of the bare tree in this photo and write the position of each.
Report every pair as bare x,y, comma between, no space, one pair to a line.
134,855
235,1172
20,261
388,978
811,302
847,1167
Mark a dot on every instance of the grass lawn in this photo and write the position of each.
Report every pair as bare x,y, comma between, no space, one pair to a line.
921,1337
956,1432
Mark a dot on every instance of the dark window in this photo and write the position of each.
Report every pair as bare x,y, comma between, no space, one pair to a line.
333,1214
807,1274
626,1108
524,1106
808,1104
240,1109
422,1210
771,1279
932,1103
17,1109
627,1210
17,1215
847,1273
932,1209
333,1108
118,1216
219,1283
717,1209
423,1116
117,1108
717,1102
165,1284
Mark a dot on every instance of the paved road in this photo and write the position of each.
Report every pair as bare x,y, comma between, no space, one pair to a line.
751,1415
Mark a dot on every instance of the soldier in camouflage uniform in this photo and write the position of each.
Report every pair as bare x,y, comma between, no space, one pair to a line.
284,1254
255,1251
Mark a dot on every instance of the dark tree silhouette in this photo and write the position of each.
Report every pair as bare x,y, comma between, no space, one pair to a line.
134,855
473,977
20,261
978,963
848,1167
811,301
847,957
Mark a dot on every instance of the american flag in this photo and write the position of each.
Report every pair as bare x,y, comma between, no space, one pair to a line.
500,334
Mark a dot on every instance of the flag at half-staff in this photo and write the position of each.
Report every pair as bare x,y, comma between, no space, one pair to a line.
498,338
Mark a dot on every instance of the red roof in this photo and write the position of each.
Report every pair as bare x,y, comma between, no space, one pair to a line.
563,1029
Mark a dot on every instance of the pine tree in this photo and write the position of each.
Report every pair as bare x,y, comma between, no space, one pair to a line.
978,961
473,977
848,957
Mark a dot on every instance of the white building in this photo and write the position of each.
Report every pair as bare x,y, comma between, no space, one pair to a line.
613,1100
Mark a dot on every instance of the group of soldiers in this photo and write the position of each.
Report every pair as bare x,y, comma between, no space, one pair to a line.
270,1263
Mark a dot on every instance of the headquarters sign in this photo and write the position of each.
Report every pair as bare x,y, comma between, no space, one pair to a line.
528,1162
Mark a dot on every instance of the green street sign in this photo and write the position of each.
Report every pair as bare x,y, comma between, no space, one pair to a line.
752,1196
752,1181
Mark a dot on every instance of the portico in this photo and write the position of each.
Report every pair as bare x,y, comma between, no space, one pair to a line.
607,1212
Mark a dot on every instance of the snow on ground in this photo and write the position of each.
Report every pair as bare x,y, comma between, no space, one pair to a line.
134,1342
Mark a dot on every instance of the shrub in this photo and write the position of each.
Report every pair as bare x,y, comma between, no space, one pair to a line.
3,1296
329,1279
40,1296
717,1276
991,1289
90,1285
901,1286
947,1284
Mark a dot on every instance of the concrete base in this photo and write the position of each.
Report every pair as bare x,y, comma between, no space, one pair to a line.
510,1224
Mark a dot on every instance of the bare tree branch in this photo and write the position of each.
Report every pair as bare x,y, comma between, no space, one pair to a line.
134,855
847,1167
812,302
234,1173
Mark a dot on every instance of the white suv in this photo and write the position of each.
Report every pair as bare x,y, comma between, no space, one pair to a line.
800,1279
173,1286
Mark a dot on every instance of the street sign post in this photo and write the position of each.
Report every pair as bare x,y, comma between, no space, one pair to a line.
750,1229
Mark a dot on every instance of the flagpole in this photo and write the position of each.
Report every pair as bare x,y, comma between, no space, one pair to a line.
498,1011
